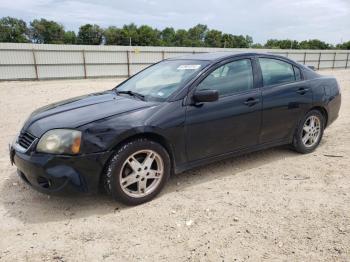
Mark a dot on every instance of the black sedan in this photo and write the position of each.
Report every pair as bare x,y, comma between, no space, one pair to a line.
173,116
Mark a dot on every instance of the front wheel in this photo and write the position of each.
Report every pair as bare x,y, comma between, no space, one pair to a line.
137,172
309,132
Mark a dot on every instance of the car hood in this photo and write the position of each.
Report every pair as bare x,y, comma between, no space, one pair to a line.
78,111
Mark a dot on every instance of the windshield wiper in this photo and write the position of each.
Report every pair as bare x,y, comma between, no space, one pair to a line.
131,93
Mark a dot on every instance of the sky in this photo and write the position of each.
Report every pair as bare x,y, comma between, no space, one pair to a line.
327,20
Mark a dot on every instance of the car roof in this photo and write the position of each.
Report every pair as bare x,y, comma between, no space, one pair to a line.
213,56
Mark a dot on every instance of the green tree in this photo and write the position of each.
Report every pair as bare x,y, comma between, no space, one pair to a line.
130,35
113,36
282,44
227,40
70,38
50,32
236,41
249,40
239,41
213,38
272,43
46,32
168,36
257,45
147,36
345,45
13,30
314,44
196,35
181,38
90,35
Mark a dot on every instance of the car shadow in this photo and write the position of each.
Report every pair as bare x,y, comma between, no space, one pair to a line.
29,206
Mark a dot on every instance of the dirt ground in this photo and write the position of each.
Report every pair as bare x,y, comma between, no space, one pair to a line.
271,205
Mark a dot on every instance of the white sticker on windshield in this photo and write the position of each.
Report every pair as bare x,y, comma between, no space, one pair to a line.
188,67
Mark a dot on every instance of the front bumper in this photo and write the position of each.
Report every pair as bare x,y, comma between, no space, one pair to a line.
52,173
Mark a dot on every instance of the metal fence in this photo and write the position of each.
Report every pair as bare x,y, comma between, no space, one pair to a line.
36,62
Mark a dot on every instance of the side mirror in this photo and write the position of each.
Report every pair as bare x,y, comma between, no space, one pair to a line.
205,96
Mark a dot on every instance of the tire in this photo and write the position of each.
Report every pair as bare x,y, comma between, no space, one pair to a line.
305,127
137,172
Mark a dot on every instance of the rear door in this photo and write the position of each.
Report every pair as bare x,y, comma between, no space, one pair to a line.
286,98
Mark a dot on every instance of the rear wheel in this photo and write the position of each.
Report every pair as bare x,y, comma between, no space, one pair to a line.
309,132
137,172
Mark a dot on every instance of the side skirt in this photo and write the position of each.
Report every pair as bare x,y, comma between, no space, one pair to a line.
212,159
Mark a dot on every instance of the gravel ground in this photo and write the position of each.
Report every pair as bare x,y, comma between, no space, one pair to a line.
270,205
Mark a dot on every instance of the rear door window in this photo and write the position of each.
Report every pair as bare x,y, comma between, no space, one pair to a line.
297,73
275,71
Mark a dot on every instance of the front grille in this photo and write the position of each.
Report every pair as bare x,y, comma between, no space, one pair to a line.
25,140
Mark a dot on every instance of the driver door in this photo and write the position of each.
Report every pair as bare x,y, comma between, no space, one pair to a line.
233,121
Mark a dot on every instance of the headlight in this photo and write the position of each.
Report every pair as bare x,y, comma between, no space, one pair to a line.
60,141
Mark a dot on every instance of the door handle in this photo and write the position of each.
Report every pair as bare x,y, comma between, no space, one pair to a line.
251,101
302,91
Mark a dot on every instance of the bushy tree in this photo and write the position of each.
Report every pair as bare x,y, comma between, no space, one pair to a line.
130,34
168,36
181,38
314,44
90,35
196,35
240,41
249,41
282,44
113,36
46,32
272,43
345,46
213,38
147,36
70,37
50,32
227,40
257,45
13,30
236,41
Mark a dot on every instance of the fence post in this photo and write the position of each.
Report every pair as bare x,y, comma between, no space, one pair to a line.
335,54
304,58
128,61
84,63
319,61
347,61
35,65
163,55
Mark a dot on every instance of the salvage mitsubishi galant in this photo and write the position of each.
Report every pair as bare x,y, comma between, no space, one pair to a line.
175,115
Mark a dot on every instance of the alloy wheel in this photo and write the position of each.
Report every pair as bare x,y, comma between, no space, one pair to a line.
141,173
311,131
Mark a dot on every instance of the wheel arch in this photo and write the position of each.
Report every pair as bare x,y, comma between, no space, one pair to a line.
155,137
323,112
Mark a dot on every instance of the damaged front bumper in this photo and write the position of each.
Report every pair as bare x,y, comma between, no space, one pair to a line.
49,173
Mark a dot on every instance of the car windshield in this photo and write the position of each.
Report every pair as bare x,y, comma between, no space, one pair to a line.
161,80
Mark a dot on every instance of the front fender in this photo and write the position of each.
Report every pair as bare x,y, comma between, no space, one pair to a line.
99,138
138,131
165,122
